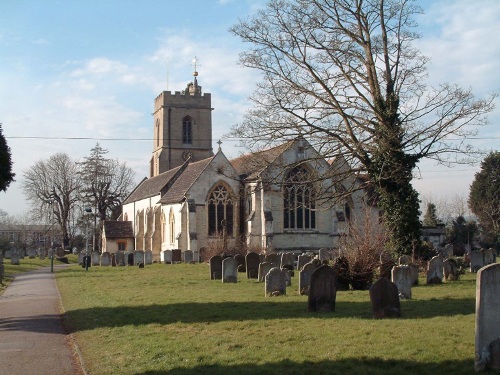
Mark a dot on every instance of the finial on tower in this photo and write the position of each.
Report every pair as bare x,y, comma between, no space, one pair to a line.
219,142
195,61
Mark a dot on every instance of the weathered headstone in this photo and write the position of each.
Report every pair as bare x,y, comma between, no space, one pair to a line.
96,259
8,254
264,268
60,252
105,259
42,254
229,271
302,260
288,276
31,253
487,352
252,261
120,258
448,251
80,258
274,259
196,256
148,257
384,298
414,273
138,257
324,254
287,260
275,282
167,256
176,256
240,261
450,270
323,289
386,264
435,270
401,276
476,261
15,259
188,256
215,264
305,277
489,256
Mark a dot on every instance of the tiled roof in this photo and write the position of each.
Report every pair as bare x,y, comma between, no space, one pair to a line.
118,229
152,186
250,165
179,188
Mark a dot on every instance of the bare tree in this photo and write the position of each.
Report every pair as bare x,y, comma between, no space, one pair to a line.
344,75
105,184
51,186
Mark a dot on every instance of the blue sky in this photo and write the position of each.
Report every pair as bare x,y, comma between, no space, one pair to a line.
92,69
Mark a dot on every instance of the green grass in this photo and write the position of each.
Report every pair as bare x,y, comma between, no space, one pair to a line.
172,318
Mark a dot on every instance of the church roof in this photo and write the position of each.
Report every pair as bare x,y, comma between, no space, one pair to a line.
118,229
183,183
249,166
152,186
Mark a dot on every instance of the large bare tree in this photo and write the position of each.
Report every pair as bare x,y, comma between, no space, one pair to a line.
51,186
344,75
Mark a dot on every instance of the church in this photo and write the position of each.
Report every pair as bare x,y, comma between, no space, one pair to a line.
269,201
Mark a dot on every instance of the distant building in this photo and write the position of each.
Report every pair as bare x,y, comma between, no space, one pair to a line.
270,201
26,235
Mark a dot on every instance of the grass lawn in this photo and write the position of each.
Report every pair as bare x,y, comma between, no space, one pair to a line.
173,319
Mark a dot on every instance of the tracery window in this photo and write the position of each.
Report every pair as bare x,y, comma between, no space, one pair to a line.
299,200
220,212
187,130
171,222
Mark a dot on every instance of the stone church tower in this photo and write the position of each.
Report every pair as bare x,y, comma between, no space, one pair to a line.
182,127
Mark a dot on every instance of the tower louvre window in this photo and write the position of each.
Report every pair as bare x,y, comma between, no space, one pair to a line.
187,130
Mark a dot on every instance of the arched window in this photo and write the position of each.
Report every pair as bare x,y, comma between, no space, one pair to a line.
187,131
220,212
163,225
157,132
299,200
171,222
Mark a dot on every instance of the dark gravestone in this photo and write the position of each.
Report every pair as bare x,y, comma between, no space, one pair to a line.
140,265
215,263
87,261
130,259
341,266
240,261
274,259
252,261
113,260
384,297
176,256
323,289
264,268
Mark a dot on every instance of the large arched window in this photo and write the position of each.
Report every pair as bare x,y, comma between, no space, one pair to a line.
171,222
299,200
163,225
187,130
220,212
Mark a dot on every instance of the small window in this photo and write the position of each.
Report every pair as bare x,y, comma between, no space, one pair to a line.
122,245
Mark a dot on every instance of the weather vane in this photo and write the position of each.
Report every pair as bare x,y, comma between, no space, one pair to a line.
195,62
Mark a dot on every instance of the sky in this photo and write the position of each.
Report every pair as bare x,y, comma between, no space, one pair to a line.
74,73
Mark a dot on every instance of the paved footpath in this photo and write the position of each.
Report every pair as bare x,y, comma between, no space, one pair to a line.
32,337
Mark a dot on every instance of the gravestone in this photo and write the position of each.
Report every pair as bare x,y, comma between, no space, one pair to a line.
138,257
96,259
288,276
404,260
176,256
215,264
105,259
302,260
264,268
196,256
450,270
323,254
130,259
489,256
167,257
120,258
435,270
252,261
229,271
240,261
140,265
448,251
113,259
386,264
60,252
487,338
274,259
275,282
8,254
31,253
188,256
401,276
305,277
341,266
414,273
87,261
287,260
323,289
476,261
15,259
148,257
80,258
41,256
384,298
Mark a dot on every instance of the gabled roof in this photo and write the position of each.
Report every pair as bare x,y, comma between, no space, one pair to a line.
249,166
152,186
118,229
183,183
